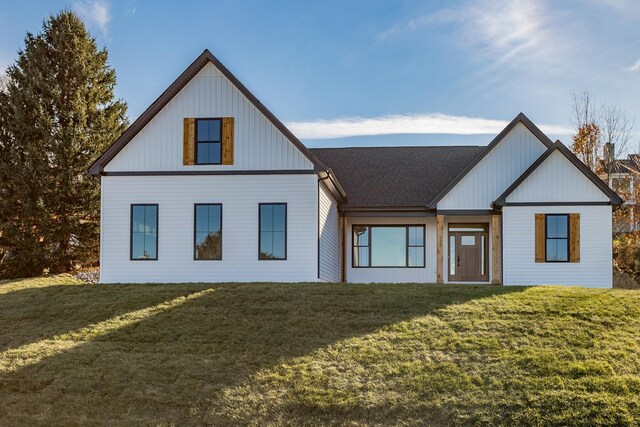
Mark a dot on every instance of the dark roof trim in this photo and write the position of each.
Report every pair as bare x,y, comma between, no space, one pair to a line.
468,212
330,181
386,208
520,118
97,168
613,197
388,214
213,172
558,204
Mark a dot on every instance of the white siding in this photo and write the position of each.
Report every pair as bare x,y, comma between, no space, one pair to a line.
239,196
495,172
557,180
595,266
258,144
329,235
394,275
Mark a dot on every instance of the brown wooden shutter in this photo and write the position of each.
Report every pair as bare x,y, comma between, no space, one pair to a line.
189,142
540,238
227,140
574,237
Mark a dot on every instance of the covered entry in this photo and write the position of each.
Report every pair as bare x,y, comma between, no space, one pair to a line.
468,254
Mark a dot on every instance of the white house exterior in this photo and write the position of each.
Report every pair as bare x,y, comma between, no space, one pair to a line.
208,186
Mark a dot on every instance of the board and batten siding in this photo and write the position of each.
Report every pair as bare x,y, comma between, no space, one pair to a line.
595,267
496,171
258,144
557,180
239,196
387,274
329,235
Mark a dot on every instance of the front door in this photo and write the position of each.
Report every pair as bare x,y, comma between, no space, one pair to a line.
468,249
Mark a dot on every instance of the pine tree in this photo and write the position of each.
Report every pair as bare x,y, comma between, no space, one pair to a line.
57,114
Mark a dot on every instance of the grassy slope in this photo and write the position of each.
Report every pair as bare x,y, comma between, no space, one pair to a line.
308,354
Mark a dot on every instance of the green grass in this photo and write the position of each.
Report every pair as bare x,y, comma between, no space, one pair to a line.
309,354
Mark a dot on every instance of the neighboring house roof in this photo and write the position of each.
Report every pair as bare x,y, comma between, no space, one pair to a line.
98,166
559,146
629,165
520,118
378,177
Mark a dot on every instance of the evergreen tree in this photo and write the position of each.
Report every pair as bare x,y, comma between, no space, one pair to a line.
57,114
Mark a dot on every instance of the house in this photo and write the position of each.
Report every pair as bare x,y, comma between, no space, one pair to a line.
623,175
208,185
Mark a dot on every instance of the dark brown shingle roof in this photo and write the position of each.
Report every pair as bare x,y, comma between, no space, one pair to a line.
396,176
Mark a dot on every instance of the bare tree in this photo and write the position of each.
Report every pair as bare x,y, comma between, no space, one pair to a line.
617,128
601,124
585,110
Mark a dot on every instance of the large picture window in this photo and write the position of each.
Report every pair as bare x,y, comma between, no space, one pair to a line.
272,234
388,246
557,238
208,232
144,232
208,142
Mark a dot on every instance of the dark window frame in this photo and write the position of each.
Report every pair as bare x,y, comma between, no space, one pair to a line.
131,258
219,119
407,245
568,238
286,229
195,231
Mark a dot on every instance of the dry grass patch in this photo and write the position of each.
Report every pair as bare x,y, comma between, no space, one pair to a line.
308,354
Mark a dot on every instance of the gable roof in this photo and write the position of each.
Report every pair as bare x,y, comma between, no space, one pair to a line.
624,166
206,57
520,118
403,177
559,146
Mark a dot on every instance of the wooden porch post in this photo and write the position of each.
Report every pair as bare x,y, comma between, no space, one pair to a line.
440,256
496,252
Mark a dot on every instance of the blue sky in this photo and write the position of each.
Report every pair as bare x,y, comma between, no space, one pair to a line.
373,72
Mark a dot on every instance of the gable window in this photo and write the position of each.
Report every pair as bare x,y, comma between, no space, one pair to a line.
557,237
144,232
272,233
388,246
208,142
208,232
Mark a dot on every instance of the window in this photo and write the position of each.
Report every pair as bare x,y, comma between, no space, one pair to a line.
388,246
208,232
144,232
557,238
272,236
208,142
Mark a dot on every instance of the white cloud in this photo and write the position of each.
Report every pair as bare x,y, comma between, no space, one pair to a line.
508,32
634,67
435,123
94,13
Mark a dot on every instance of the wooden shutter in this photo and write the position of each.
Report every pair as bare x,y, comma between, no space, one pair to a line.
574,237
540,238
227,140
189,142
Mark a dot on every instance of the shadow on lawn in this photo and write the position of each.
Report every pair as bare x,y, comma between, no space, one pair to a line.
169,367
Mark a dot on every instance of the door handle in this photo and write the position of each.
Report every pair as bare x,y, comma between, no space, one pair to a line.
458,260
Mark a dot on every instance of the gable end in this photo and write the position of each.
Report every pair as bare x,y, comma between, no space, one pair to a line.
97,168
614,199
520,118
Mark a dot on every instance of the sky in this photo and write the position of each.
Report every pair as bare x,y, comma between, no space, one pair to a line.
354,73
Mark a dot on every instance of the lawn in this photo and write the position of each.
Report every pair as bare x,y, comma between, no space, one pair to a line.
309,354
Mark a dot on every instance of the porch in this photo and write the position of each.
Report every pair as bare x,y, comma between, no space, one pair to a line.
421,246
